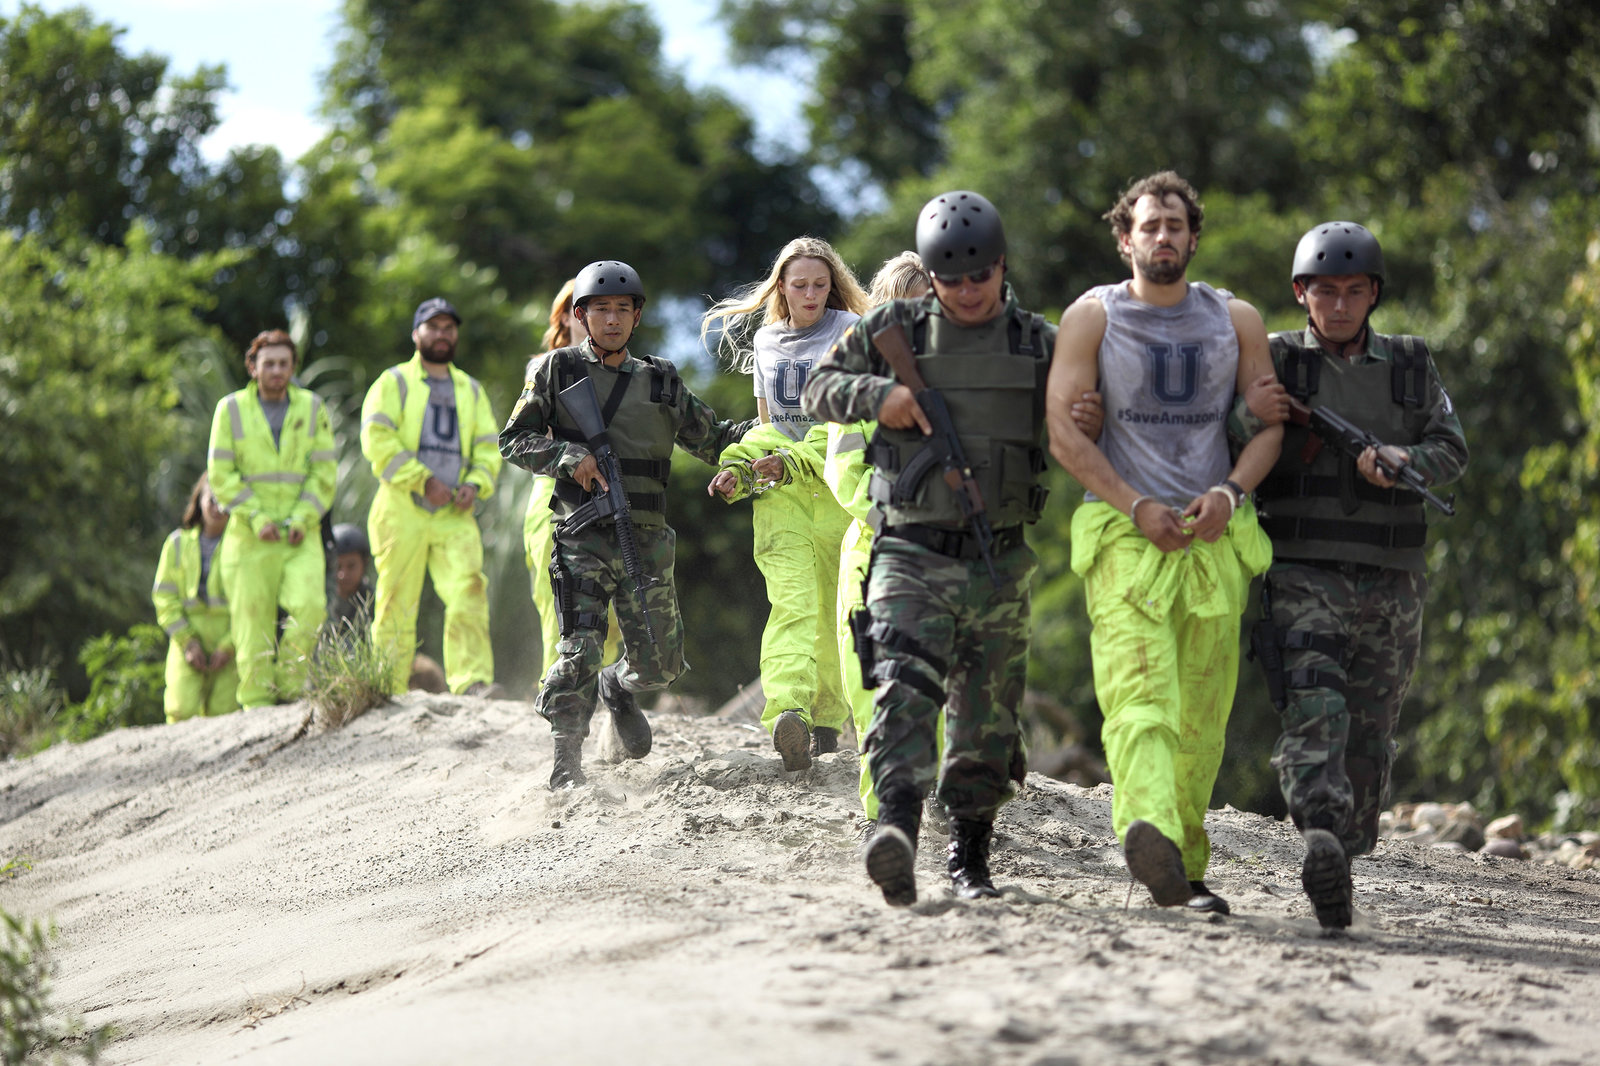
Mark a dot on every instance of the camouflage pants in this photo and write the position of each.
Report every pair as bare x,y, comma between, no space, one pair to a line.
587,574
952,641
1337,747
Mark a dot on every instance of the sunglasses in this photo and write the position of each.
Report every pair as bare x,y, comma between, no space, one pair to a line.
977,277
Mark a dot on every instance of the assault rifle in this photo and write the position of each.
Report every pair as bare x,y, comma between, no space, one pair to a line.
943,447
583,407
1330,427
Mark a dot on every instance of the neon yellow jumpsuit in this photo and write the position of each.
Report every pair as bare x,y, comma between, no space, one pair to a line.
409,542
798,529
288,484
538,540
185,617
848,473
1166,663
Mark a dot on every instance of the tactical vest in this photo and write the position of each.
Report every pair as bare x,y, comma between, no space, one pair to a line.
992,378
1325,509
641,415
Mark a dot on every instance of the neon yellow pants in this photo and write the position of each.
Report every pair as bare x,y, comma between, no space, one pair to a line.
1166,664
854,558
408,542
191,692
538,540
798,528
261,577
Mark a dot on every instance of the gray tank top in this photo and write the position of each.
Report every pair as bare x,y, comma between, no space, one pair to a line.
1168,376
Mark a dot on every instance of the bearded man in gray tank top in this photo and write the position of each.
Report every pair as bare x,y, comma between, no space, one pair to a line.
1167,539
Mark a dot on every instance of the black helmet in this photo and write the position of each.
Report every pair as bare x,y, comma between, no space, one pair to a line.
1337,248
607,278
959,233
348,539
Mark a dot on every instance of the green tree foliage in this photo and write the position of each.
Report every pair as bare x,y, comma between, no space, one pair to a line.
1058,102
862,108
94,141
126,679
87,353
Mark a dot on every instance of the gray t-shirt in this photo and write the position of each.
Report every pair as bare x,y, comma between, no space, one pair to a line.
784,356
1168,376
275,411
439,448
208,548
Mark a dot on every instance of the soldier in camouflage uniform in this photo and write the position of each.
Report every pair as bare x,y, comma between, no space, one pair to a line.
647,409
943,631
1347,585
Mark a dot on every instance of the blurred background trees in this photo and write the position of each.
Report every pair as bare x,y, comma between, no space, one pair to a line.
486,150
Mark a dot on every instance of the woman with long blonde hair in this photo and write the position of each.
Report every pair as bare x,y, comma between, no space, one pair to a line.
807,302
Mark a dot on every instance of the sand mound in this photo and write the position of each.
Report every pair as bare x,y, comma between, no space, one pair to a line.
406,890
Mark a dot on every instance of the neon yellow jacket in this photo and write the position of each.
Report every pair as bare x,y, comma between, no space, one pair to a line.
290,482
801,458
179,609
846,469
391,429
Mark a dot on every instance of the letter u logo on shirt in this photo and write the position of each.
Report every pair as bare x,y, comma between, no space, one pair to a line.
444,422
1165,366
788,382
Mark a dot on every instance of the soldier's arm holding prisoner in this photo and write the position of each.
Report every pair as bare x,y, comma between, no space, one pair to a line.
701,433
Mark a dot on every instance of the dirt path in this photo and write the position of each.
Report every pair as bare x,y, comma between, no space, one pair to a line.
406,891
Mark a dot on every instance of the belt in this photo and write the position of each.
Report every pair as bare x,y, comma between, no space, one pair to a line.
954,543
1338,566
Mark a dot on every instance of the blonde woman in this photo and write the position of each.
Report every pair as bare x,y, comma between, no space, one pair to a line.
192,607
538,533
807,302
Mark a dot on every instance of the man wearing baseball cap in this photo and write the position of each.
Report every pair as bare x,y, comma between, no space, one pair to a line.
433,443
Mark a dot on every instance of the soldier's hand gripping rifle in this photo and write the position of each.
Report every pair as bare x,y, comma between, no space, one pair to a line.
1330,427
943,447
583,407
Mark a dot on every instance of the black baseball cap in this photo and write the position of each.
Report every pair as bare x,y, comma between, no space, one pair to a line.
436,305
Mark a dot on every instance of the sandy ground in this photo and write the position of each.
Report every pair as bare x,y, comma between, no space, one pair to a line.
406,890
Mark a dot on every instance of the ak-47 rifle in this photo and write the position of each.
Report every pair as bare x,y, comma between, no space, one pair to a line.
1330,427
583,407
943,447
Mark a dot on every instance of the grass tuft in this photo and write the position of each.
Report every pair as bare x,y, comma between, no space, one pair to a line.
29,704
349,676
31,1030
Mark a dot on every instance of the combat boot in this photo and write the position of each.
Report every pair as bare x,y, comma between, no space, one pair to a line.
633,728
1156,863
824,741
969,858
792,737
891,854
1206,900
568,769
1325,875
